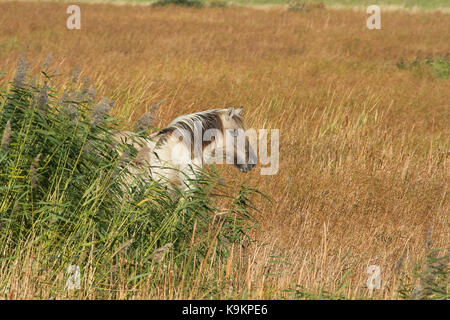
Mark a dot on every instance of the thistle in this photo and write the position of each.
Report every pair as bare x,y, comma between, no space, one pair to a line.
6,139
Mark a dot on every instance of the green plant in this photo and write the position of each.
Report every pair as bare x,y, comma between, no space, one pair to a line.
65,193
439,65
300,292
301,6
218,4
429,279
184,3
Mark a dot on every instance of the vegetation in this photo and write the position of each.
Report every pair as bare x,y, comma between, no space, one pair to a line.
404,3
440,66
392,4
66,199
184,3
363,148
430,276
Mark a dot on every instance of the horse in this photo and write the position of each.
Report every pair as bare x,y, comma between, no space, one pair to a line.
178,152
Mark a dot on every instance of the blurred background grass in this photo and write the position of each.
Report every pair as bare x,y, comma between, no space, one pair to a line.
427,4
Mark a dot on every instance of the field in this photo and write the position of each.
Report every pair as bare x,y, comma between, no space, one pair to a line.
364,137
406,4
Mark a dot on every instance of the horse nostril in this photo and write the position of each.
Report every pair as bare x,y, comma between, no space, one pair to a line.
249,167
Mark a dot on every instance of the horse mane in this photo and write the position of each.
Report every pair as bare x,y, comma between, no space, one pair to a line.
188,124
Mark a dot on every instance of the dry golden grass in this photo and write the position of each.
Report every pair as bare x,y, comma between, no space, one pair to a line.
364,146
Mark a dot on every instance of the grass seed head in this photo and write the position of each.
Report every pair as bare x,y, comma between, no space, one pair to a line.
159,253
47,61
76,74
144,122
71,111
101,110
21,73
33,171
6,139
43,95
92,94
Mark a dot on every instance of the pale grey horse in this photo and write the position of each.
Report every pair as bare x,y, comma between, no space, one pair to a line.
176,153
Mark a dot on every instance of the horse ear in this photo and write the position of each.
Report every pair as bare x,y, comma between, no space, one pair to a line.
230,112
234,112
238,111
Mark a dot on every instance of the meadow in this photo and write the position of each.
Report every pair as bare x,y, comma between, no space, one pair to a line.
364,151
361,4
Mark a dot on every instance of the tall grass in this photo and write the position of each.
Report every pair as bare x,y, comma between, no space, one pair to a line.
363,144
66,199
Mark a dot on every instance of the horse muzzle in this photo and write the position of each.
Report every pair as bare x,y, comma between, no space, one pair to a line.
246,167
